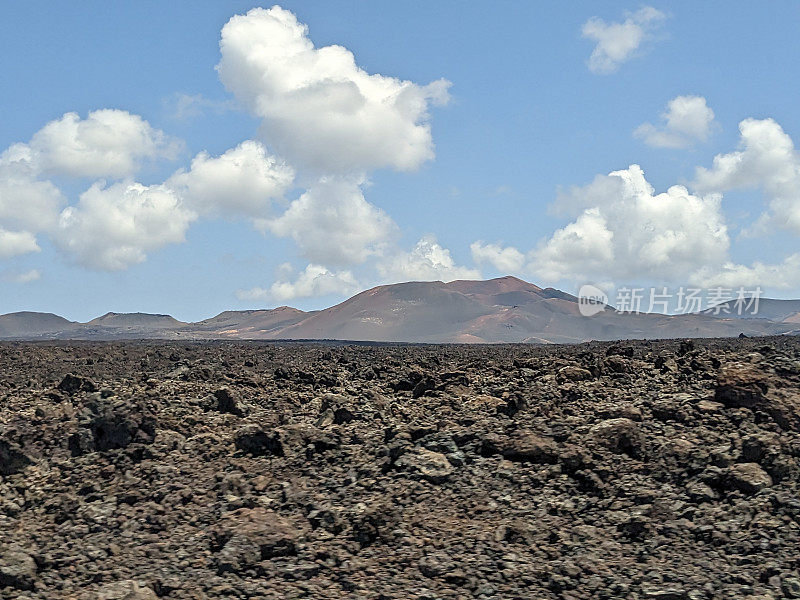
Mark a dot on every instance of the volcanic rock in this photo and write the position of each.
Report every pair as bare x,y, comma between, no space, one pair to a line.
112,424
125,590
524,447
678,476
573,373
74,383
749,477
12,458
741,384
247,536
253,439
17,569
432,466
227,402
618,435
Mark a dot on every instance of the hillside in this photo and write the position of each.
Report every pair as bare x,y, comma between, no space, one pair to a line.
766,308
501,310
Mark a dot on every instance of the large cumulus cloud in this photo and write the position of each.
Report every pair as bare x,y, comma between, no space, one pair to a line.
319,109
112,228
623,229
333,224
243,181
107,143
766,160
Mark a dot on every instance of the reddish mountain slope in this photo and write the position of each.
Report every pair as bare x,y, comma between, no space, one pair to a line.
505,309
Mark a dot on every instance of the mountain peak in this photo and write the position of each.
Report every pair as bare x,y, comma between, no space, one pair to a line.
498,285
503,309
136,320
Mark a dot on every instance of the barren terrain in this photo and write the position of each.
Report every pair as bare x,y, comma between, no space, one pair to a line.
142,470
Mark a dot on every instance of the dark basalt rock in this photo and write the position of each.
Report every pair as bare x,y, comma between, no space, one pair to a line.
74,383
12,458
125,590
328,471
741,384
253,440
17,569
108,424
226,402
245,537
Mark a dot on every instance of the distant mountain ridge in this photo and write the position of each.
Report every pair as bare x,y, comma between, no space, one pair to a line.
761,308
501,310
136,321
33,323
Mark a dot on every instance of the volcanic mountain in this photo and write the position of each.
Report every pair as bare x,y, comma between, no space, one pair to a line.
785,311
250,324
33,324
502,310
133,321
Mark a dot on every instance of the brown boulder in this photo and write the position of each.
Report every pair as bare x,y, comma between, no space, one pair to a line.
618,435
740,385
573,373
744,385
12,458
253,439
525,447
125,590
75,383
247,536
17,569
429,465
749,478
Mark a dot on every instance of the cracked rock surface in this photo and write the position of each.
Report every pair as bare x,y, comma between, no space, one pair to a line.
144,470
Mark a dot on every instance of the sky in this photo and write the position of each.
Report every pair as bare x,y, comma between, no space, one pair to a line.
189,158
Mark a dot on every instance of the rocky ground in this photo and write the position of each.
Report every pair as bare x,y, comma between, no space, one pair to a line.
145,470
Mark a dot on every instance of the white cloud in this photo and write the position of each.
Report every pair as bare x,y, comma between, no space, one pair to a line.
252,294
618,42
688,119
580,250
22,277
767,159
108,143
427,261
505,260
241,182
333,224
25,202
320,110
785,275
315,280
15,243
114,227
330,119
624,230
189,106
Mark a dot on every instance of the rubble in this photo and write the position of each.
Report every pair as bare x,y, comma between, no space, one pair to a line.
141,470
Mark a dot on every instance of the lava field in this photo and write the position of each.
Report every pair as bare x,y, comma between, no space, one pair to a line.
142,470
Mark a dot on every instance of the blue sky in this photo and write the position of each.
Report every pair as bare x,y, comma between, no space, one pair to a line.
531,122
